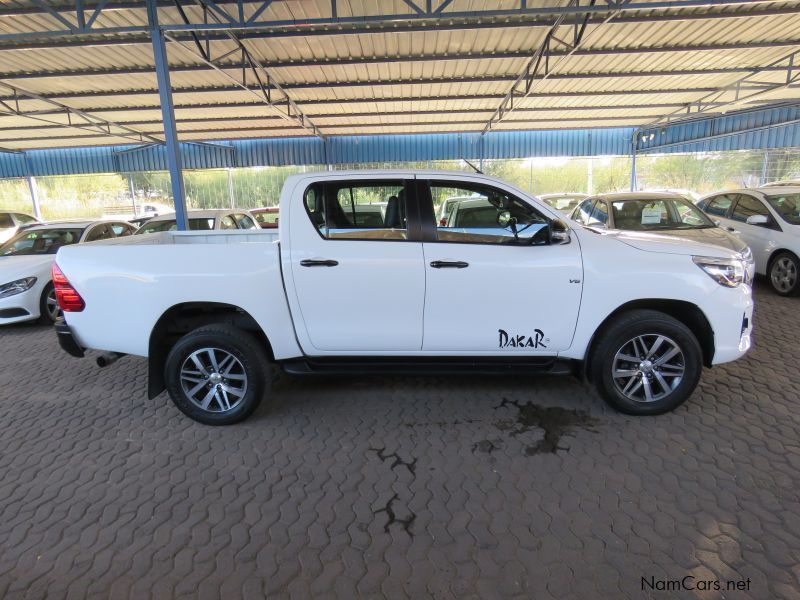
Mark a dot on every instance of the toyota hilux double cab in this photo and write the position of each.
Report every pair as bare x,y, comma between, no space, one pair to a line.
637,314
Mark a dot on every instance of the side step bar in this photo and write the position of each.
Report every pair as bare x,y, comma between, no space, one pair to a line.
427,366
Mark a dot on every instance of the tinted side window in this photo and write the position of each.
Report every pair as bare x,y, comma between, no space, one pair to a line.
6,221
121,229
245,222
228,222
583,212
99,232
24,219
485,215
747,206
368,210
719,205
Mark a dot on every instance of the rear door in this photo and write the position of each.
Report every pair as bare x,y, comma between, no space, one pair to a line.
495,289
359,284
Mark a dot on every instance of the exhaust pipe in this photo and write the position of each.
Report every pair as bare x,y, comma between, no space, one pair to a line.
108,358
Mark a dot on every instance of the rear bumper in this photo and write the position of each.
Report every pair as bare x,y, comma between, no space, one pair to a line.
66,340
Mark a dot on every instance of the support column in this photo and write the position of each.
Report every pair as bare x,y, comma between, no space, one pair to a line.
37,212
168,116
231,194
633,164
33,188
133,194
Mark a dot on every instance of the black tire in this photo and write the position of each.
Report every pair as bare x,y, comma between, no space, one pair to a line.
45,315
784,274
615,343
250,369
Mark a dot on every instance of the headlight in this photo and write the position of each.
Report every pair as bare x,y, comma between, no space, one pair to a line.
17,287
725,271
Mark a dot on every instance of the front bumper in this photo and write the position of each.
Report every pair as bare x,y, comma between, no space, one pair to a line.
731,318
20,307
66,340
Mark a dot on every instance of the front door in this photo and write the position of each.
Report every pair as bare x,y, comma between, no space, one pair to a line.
493,283
356,266
758,237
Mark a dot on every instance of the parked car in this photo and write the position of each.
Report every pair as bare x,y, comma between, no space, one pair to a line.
564,203
783,183
11,223
26,289
330,296
202,220
768,219
688,194
447,206
267,217
663,213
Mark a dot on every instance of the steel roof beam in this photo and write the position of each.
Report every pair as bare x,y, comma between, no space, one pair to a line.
265,87
538,67
77,119
338,25
393,113
238,85
744,89
589,93
363,60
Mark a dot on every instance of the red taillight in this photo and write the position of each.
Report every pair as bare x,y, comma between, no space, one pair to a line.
69,300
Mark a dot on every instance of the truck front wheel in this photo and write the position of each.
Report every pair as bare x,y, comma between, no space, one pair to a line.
646,363
217,374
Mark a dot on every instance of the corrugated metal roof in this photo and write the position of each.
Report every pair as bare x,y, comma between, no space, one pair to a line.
395,77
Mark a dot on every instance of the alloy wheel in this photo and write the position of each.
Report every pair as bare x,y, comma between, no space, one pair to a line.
213,379
648,368
51,305
784,274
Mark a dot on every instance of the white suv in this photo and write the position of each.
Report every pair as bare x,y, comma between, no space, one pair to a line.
768,220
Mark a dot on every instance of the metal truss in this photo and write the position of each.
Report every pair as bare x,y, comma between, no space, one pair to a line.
81,17
567,35
745,90
76,119
221,63
265,86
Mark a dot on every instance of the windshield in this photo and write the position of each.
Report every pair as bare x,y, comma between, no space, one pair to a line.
653,215
787,206
269,218
170,225
40,241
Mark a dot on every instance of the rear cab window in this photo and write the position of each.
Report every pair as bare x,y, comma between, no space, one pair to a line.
359,210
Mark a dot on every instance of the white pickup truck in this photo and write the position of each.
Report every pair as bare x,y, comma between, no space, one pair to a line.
333,292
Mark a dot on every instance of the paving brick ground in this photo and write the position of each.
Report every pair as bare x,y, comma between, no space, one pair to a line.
420,487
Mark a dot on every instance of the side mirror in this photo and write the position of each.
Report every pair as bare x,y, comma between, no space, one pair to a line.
506,219
559,232
757,220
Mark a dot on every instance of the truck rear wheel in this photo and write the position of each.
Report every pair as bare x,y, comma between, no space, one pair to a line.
646,363
217,374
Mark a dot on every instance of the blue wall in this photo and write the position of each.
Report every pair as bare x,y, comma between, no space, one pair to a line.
769,128
313,151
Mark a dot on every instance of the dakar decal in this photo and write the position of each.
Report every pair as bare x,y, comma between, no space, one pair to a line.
521,341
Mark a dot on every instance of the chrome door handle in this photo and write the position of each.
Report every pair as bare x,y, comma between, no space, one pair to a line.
310,262
449,264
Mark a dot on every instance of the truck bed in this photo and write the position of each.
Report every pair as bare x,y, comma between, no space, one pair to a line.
196,237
